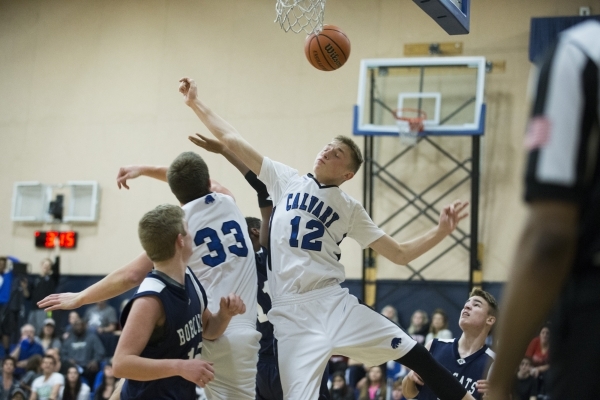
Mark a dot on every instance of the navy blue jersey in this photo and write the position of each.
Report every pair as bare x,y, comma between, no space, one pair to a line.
179,338
467,370
267,341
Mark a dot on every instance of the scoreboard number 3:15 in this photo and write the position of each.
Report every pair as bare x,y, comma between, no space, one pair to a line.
46,239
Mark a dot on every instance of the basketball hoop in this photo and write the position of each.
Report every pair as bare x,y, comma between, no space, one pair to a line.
409,127
300,15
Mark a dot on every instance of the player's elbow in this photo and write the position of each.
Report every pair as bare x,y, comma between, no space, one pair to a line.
391,249
400,255
118,366
402,259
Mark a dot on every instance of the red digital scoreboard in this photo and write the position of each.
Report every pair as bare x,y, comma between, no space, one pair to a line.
66,240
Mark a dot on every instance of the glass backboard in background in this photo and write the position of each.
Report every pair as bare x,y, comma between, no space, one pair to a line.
448,90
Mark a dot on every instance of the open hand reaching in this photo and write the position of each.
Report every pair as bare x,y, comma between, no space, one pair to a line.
208,144
451,215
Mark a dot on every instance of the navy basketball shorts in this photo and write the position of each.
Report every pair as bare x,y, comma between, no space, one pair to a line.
268,384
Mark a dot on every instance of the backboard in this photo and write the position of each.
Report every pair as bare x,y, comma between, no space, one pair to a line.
30,201
454,16
449,90
84,199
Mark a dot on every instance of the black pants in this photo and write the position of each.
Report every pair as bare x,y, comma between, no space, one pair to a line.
574,341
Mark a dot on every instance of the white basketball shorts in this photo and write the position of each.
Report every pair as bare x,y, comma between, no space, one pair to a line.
313,326
234,356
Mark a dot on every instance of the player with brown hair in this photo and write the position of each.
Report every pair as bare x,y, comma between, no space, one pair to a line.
468,358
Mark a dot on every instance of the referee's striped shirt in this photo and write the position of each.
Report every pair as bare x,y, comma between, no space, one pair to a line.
563,137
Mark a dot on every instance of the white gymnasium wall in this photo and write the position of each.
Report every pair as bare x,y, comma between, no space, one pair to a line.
86,87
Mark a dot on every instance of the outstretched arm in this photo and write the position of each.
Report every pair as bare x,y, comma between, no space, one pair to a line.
540,267
222,130
160,173
134,171
112,285
403,253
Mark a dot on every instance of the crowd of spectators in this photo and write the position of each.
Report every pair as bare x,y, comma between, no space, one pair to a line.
42,360
72,361
45,367
350,380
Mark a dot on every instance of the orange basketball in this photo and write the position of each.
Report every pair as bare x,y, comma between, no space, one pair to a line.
328,50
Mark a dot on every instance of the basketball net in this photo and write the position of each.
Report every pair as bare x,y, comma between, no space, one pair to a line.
409,127
300,15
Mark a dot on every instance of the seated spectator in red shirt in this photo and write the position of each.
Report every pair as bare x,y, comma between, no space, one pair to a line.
538,352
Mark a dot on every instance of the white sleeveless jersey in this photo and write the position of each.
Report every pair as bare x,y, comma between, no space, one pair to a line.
309,222
223,257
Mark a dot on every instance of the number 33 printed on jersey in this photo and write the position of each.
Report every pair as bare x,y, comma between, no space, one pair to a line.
211,237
